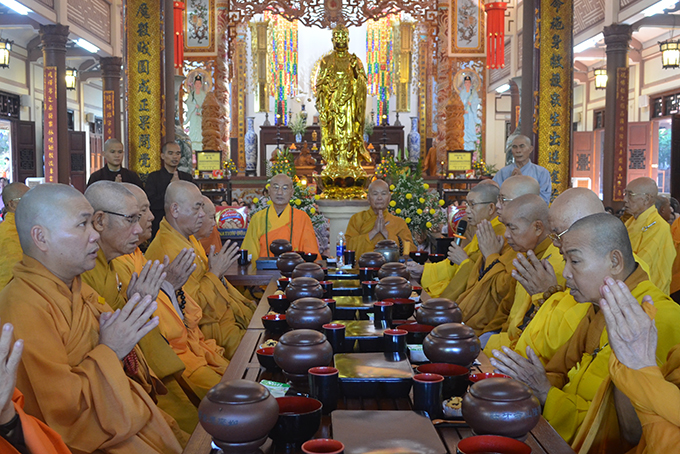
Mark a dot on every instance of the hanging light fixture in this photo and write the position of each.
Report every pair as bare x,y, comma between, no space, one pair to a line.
670,54
600,79
5,48
71,75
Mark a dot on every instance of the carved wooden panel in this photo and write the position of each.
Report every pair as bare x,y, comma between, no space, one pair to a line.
587,13
92,15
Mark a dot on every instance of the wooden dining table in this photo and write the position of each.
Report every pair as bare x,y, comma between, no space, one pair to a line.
244,365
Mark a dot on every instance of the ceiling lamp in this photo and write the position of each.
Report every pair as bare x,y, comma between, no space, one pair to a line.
5,48
670,54
71,74
600,79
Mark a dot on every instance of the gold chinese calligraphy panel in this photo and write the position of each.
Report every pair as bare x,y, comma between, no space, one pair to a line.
50,124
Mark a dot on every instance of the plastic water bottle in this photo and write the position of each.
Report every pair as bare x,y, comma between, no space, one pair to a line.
340,249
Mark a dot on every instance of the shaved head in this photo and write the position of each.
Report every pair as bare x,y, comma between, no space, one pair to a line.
179,192
487,191
514,187
107,195
526,222
184,207
640,195
11,195
281,190
112,143
147,217
663,206
378,184
54,222
570,206
209,220
378,195
529,207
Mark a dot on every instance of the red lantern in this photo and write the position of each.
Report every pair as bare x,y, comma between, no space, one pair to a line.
179,33
495,29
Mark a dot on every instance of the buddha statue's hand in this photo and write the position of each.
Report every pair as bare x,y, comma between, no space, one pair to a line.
122,329
536,276
149,280
632,333
179,270
220,262
529,371
10,356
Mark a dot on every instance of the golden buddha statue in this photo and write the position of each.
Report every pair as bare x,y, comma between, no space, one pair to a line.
341,102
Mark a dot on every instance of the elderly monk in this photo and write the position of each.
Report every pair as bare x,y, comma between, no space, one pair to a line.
454,272
650,234
368,227
117,217
226,313
663,206
280,221
530,236
515,186
179,314
75,347
208,234
9,238
675,280
19,432
596,249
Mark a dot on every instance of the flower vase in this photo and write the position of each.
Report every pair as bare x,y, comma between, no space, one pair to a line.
414,141
298,138
250,142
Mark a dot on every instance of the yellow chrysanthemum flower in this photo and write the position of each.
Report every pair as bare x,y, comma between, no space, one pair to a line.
312,210
426,186
398,211
269,202
441,203
267,186
393,203
408,220
392,187
298,202
419,211
255,200
421,200
409,196
428,225
432,211
317,197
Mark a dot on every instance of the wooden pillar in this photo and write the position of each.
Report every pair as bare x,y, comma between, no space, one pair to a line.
53,39
111,67
617,39
527,89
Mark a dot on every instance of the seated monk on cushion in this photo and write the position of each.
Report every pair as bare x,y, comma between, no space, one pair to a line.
595,248
529,229
208,234
20,433
9,238
650,234
117,218
179,314
226,313
454,272
368,227
75,347
280,221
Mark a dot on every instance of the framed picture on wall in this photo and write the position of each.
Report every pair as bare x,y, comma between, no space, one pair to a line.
199,28
458,160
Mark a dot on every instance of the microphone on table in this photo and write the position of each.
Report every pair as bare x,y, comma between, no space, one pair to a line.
460,230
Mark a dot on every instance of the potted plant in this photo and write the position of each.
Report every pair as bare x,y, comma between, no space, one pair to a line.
298,127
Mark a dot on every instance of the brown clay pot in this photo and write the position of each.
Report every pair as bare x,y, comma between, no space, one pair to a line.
287,262
308,313
498,406
438,311
394,269
303,287
279,246
393,287
309,270
386,244
238,414
371,260
389,249
452,343
299,350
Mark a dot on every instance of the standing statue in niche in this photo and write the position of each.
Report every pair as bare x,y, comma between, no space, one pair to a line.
341,102
198,87
470,98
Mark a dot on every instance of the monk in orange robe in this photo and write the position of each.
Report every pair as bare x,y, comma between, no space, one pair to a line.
226,312
280,221
368,227
76,349
208,234
597,253
19,431
675,279
9,238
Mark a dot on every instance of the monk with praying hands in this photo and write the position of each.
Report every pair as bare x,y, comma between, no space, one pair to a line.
225,311
280,221
76,349
573,386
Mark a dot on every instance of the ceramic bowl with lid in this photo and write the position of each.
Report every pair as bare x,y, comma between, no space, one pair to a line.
394,269
287,262
307,269
238,414
371,260
279,246
452,343
303,287
301,349
438,311
498,406
393,287
309,313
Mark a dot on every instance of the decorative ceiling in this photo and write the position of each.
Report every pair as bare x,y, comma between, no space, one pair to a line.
328,13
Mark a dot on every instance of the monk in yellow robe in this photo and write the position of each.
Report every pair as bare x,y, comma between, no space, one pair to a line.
649,233
117,217
280,221
675,280
19,430
76,349
226,313
435,277
179,314
368,227
9,238
597,252
530,227
208,234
